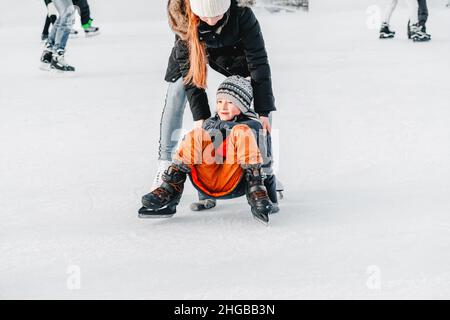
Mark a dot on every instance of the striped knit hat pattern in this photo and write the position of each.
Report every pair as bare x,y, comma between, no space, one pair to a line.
238,90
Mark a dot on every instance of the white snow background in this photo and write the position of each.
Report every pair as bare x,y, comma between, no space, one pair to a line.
363,148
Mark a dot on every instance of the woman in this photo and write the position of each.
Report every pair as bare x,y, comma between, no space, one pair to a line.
226,35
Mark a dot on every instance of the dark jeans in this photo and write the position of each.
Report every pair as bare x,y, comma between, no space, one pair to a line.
85,11
423,12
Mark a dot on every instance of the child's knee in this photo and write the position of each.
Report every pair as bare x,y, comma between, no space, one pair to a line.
241,129
196,134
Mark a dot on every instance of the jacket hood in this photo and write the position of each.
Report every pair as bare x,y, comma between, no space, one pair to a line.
178,21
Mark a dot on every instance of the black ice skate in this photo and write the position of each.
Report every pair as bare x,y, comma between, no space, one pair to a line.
257,194
162,202
46,59
203,205
385,32
418,34
59,64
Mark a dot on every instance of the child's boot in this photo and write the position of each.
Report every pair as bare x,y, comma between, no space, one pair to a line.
162,202
257,193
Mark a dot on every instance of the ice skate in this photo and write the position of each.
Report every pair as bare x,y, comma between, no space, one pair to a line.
59,64
162,202
256,193
385,32
418,35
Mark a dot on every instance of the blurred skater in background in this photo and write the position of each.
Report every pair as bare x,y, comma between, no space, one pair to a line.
416,31
85,13
53,56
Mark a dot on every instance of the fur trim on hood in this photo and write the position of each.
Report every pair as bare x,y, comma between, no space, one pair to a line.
178,21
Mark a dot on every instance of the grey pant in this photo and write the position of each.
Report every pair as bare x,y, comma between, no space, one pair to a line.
59,35
172,119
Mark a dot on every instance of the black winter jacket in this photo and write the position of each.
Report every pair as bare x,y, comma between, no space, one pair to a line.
235,46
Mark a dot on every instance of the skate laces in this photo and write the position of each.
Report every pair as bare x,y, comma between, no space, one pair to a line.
161,192
175,185
260,194
164,193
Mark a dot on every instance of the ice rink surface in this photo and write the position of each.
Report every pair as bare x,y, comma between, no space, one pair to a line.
363,145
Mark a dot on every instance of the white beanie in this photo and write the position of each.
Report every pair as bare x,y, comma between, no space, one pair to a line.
210,8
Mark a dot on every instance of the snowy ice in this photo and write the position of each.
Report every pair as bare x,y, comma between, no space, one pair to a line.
363,152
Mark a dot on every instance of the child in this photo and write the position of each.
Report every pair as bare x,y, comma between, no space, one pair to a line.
223,158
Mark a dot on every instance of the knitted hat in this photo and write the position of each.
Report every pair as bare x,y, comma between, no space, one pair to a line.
238,90
210,8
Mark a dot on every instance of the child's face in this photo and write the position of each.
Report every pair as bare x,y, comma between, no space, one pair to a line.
227,110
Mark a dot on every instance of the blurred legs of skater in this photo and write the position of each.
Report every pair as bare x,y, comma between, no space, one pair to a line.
53,55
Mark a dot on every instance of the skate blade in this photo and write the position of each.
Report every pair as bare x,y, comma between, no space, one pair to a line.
146,213
255,216
421,40
62,73
261,221
160,216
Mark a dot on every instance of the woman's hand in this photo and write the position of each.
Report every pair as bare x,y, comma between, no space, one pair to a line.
266,124
198,124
